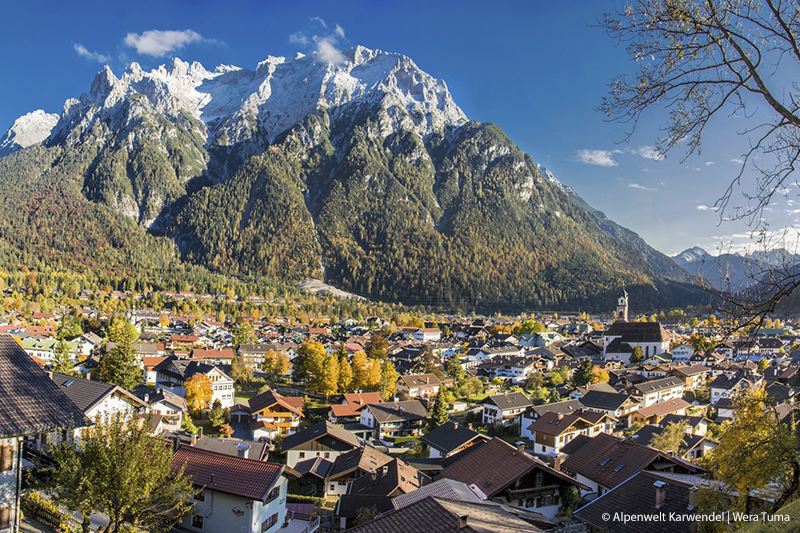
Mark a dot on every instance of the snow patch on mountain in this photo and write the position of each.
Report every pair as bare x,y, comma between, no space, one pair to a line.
236,104
28,130
689,255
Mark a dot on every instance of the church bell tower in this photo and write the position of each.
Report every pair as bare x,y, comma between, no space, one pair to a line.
622,306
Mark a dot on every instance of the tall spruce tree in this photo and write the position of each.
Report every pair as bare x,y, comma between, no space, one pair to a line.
439,412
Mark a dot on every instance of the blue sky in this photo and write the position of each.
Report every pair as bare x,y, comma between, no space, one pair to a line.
535,68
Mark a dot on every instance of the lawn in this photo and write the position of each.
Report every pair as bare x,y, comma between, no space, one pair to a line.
244,396
208,429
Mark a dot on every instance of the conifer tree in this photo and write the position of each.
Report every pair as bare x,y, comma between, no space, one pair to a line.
62,360
439,412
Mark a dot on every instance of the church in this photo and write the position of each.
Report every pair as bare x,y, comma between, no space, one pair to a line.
621,337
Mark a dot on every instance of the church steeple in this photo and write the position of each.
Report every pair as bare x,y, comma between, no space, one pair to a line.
622,306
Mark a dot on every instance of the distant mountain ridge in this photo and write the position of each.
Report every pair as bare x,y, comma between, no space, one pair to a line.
733,271
365,174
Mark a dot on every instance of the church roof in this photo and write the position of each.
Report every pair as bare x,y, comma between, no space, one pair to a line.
638,332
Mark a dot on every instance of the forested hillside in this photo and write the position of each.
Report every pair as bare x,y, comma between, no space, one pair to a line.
381,188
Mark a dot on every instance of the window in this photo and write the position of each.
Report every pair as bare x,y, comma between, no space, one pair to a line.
5,517
333,487
327,455
301,455
200,496
197,521
6,458
269,522
274,493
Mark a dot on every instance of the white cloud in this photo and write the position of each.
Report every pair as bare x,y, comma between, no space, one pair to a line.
325,43
648,152
159,43
709,163
704,208
737,161
94,56
602,158
298,38
641,187
328,51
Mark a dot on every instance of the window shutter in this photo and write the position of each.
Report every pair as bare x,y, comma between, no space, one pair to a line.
5,517
6,458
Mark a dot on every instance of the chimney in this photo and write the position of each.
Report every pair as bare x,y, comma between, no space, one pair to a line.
560,416
521,448
557,462
200,429
242,450
469,426
692,497
146,398
212,480
455,425
661,493
462,521
194,439
49,374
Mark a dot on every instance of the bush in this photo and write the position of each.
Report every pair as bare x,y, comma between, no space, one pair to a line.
299,498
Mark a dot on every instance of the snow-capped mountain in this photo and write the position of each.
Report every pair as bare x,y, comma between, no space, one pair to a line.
690,255
235,103
27,130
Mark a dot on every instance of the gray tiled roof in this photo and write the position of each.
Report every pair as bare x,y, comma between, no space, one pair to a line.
436,514
83,392
398,411
450,436
29,401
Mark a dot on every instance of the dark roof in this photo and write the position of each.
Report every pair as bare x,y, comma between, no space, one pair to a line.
86,393
440,515
316,466
575,444
395,476
182,368
610,401
691,370
566,407
367,459
610,461
30,402
637,496
658,384
512,400
691,421
165,396
256,450
495,465
318,430
247,478
349,504
638,332
450,436
398,411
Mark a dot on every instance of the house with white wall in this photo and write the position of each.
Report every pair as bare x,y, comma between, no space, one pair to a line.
233,493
